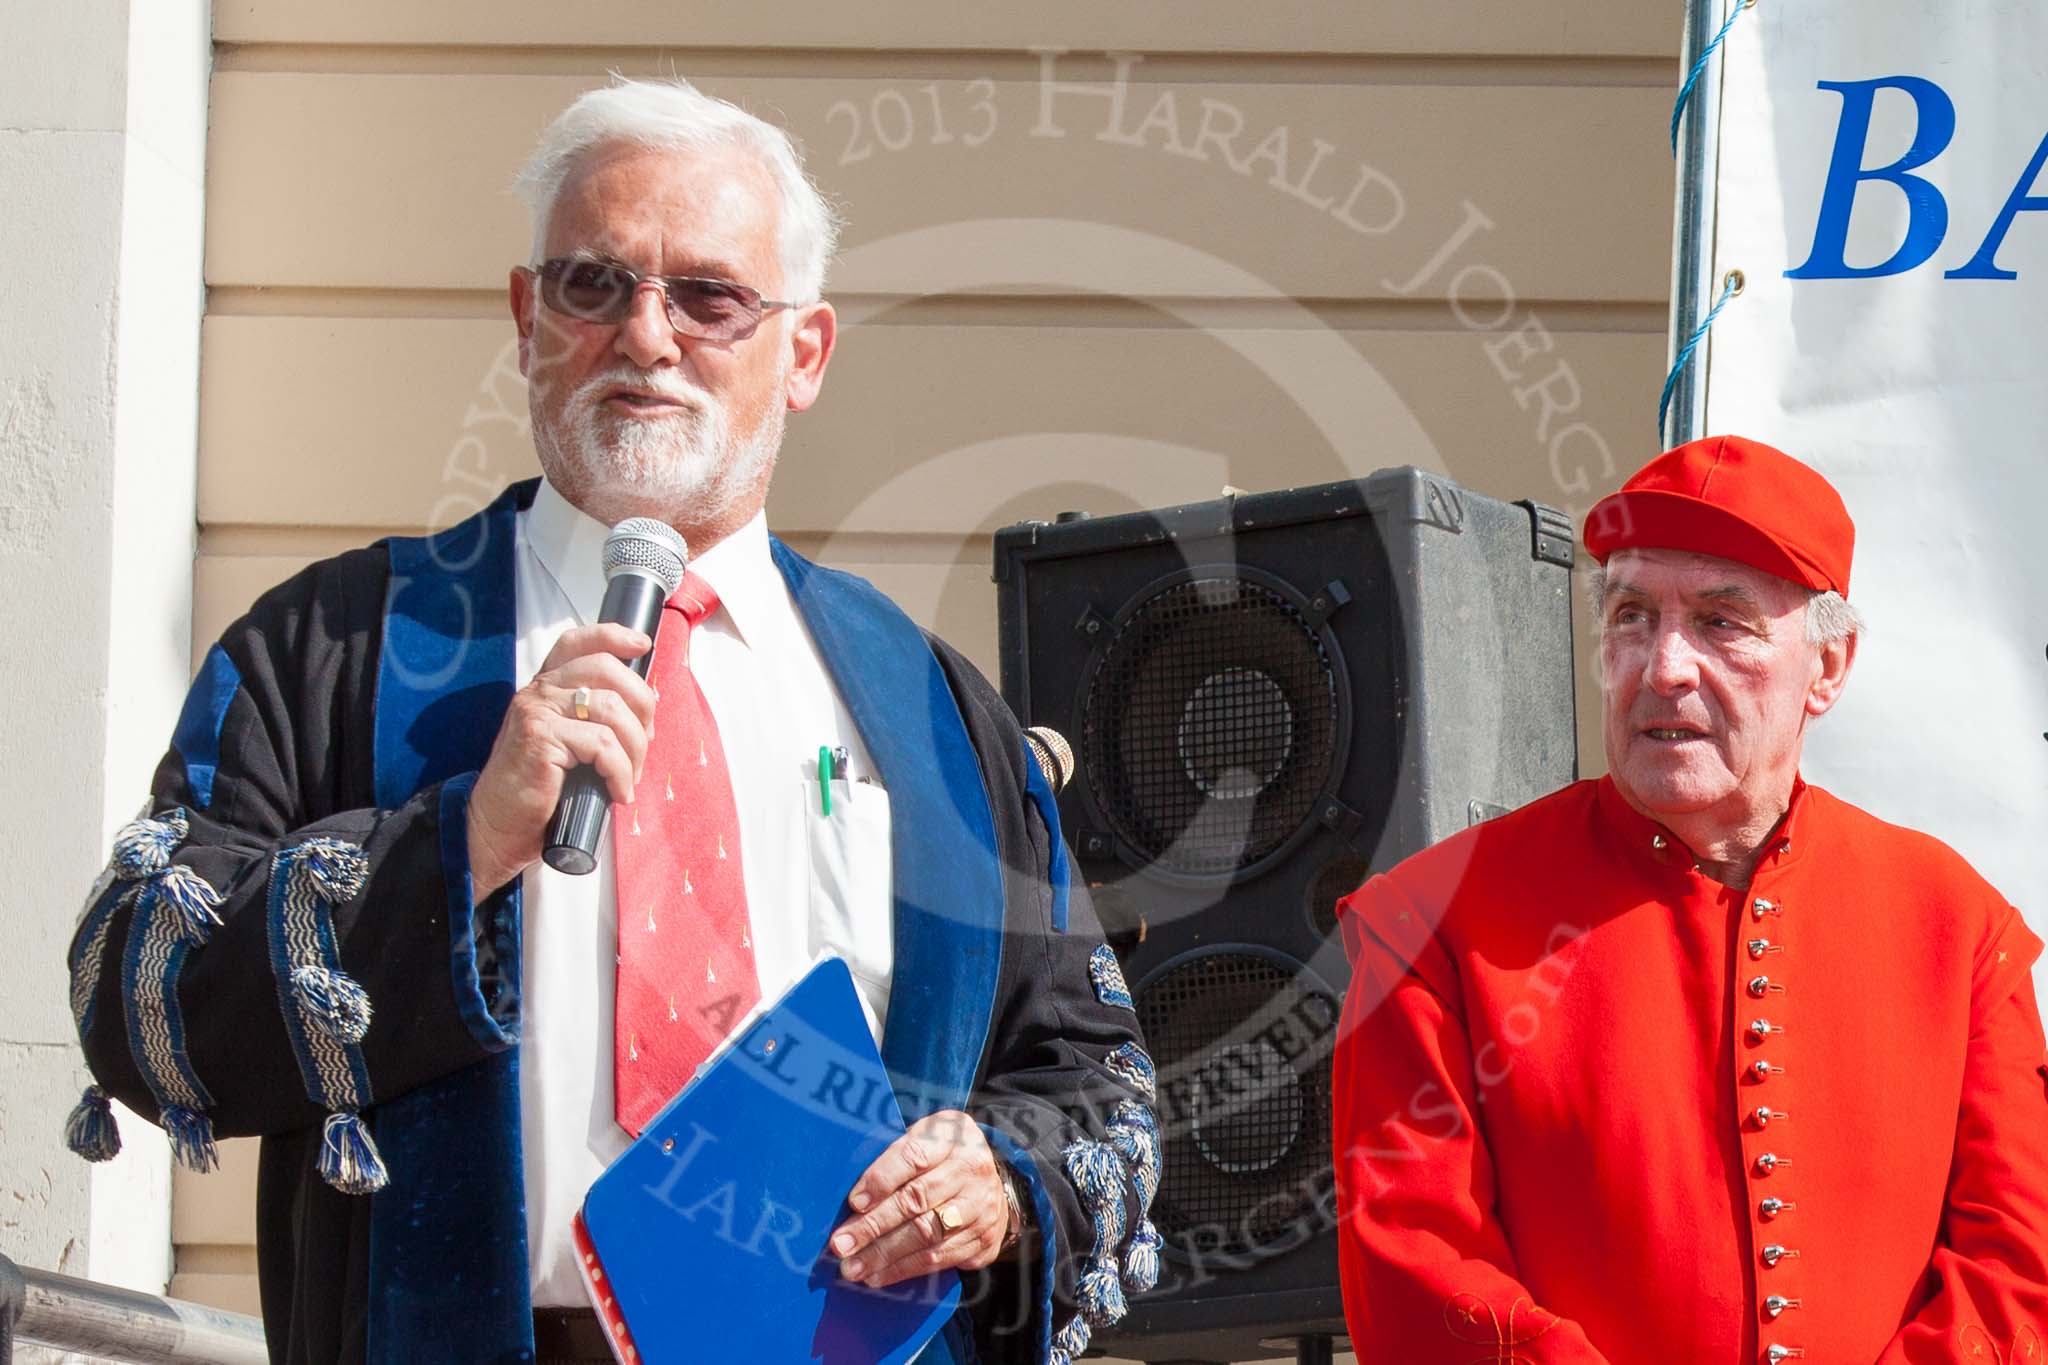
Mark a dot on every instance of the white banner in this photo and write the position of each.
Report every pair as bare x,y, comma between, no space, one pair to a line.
1882,190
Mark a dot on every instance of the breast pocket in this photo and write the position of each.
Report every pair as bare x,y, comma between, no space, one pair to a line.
851,902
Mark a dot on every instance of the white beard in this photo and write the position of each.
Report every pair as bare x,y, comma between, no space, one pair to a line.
685,463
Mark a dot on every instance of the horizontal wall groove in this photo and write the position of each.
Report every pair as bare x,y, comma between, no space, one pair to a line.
216,1258
1240,314
713,63
251,540
997,310
324,301
907,547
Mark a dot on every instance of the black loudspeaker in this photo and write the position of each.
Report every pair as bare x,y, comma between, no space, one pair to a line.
1268,698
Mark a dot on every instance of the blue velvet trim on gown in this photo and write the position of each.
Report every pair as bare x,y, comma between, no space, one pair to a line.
948,876
197,738
448,1235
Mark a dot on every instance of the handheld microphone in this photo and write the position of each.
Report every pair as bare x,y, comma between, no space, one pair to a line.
643,566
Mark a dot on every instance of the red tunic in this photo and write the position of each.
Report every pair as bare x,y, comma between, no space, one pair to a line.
1563,1127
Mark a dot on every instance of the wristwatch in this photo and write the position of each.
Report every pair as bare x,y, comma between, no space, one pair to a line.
1013,1229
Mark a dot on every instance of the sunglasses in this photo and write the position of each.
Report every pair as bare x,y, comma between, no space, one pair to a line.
595,290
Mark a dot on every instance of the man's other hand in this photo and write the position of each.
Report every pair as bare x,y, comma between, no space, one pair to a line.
933,1201
543,739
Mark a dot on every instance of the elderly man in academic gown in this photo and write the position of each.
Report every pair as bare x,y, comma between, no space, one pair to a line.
334,928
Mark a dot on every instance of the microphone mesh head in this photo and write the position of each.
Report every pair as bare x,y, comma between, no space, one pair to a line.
1055,755
646,546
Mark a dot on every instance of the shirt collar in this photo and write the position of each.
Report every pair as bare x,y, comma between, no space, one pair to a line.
1642,837
742,572
569,544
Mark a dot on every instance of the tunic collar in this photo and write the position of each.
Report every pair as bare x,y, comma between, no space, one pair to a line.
569,544
1646,840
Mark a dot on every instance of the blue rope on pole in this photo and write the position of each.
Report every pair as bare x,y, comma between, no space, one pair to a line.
1730,287
1699,68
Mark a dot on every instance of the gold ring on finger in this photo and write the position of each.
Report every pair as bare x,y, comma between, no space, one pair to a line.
579,702
950,1218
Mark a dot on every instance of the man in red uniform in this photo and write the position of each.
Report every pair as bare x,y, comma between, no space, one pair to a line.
1696,1062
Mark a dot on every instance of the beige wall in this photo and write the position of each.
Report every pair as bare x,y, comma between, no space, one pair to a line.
1260,253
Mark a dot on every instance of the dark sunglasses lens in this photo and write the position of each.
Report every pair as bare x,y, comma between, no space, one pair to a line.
592,290
713,308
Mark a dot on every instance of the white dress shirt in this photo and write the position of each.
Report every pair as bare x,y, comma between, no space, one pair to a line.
814,884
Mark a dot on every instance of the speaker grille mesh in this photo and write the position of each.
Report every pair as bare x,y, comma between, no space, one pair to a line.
1209,728
1243,1056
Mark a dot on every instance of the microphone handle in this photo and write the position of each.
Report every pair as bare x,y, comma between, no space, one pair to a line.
635,600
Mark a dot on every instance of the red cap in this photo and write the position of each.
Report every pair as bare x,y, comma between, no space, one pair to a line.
1734,499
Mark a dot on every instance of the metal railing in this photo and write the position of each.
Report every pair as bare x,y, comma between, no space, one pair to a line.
40,1308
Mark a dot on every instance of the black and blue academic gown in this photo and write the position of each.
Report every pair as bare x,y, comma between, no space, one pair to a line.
288,946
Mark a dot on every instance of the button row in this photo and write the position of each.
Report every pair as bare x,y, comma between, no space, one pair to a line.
1770,1207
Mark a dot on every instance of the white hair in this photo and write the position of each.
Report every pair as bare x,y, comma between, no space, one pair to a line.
1829,617
675,115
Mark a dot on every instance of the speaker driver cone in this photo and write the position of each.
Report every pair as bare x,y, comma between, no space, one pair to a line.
1242,1042
1209,727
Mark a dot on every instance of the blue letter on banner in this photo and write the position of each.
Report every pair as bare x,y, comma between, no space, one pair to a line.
1984,265
1927,211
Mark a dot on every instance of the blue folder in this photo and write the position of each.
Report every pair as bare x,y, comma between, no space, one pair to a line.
706,1241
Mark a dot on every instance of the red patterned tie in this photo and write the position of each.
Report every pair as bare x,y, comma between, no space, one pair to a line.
686,963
